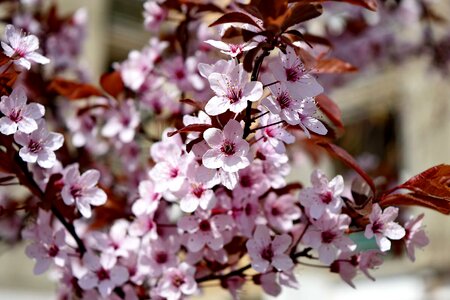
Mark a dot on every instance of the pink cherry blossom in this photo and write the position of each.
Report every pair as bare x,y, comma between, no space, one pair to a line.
197,190
205,230
245,210
122,122
291,71
327,235
19,115
154,15
82,190
158,256
103,273
184,73
118,242
275,135
266,252
47,249
323,195
252,181
221,66
177,282
232,50
275,165
307,120
232,90
229,150
383,227
39,146
148,199
22,48
281,211
415,236
282,104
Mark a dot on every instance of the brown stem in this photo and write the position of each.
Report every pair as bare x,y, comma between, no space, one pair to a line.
265,126
255,74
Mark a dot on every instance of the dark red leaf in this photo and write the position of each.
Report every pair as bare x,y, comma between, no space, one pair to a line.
331,110
369,4
348,160
250,57
190,128
73,90
430,188
414,199
112,83
235,17
333,66
301,12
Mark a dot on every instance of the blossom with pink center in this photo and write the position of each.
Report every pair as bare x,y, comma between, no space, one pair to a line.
204,230
383,227
232,90
39,146
19,115
122,122
245,210
266,252
282,211
139,64
158,256
170,174
184,73
22,48
103,273
322,195
291,71
275,165
197,190
275,135
229,150
349,262
232,50
282,104
148,199
252,181
118,242
327,235
82,190
48,248
144,226
177,282
154,15
415,236
307,120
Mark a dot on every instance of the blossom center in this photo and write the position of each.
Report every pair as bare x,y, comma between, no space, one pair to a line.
76,191
177,280
161,257
283,99
204,225
179,74
377,227
198,190
326,197
267,253
53,251
15,115
228,148
246,181
102,274
34,146
294,74
275,211
173,172
328,237
234,94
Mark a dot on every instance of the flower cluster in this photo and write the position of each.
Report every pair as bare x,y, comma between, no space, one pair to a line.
124,211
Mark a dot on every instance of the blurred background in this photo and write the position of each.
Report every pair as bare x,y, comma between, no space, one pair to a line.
397,119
